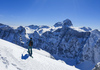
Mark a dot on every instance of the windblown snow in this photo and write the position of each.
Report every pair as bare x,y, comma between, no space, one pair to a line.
14,57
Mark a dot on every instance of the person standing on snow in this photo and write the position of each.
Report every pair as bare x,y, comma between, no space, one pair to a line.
30,44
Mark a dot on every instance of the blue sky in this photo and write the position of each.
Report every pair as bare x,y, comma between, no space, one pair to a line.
48,12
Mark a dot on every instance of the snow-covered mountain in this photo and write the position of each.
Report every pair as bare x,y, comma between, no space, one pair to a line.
14,57
74,45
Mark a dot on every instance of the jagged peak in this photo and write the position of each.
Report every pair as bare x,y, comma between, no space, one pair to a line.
4,27
67,22
20,27
44,26
58,24
35,34
33,26
1,24
96,31
86,28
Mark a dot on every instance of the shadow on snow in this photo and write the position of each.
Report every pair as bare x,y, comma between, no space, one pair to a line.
24,56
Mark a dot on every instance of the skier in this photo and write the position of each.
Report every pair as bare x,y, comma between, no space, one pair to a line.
30,44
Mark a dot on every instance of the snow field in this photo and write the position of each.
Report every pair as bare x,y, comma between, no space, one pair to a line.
11,58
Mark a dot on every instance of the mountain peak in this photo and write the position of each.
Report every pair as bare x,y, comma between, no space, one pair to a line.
1,24
86,28
67,22
58,24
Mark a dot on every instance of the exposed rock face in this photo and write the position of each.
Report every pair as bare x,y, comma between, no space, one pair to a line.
58,24
13,35
67,22
61,41
86,29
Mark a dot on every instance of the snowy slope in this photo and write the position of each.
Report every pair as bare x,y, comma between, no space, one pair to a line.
76,46
13,57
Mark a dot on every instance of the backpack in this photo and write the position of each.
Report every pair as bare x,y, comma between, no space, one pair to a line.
30,43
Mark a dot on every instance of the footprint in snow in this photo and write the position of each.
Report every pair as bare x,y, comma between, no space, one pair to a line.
5,61
16,66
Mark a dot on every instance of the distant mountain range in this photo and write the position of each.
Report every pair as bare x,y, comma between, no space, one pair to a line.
63,41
